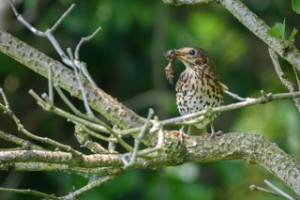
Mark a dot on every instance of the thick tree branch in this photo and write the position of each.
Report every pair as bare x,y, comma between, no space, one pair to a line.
248,147
108,106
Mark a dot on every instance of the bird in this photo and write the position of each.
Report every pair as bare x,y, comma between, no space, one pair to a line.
198,87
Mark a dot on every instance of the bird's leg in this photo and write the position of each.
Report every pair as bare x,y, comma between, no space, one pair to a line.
213,133
182,135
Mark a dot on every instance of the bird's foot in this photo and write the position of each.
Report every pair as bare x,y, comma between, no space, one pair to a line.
181,134
215,134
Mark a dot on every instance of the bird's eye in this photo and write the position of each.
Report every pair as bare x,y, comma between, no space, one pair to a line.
192,52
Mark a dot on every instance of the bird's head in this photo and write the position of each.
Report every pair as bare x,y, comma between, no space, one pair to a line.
192,57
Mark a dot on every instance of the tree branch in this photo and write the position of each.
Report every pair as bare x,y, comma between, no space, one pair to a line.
248,147
100,101
282,76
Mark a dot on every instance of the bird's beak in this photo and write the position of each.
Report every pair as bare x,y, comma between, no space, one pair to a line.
174,53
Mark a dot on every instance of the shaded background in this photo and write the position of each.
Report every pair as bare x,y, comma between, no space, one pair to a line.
126,60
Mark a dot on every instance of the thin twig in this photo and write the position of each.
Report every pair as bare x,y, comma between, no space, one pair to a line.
92,184
83,93
50,85
185,119
137,142
297,74
77,120
48,33
282,76
83,138
75,110
261,189
235,96
68,102
160,140
70,61
59,21
30,192
25,144
6,103
278,191
199,116
84,40
98,136
21,128
69,116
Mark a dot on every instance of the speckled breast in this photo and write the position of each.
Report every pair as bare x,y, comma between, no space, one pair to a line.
194,93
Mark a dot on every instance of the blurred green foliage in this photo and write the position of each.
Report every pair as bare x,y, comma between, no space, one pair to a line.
126,60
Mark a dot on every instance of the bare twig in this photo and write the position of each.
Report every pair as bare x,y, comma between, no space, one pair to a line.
30,192
69,116
278,191
5,101
282,76
274,190
78,120
262,189
109,107
68,102
21,128
297,76
83,93
99,136
76,111
48,33
186,119
235,96
67,60
137,142
50,85
180,2
160,140
25,144
81,65
92,184
83,138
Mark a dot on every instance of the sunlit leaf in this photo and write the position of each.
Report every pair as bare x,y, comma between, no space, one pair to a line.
296,6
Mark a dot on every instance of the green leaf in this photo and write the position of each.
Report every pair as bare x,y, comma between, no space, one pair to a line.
292,35
277,31
296,6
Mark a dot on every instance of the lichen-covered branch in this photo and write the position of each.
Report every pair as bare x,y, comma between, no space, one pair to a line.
100,101
248,147
253,149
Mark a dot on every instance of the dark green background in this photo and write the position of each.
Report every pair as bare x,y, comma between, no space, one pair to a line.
126,60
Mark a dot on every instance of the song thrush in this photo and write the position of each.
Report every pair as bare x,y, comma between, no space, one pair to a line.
199,86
